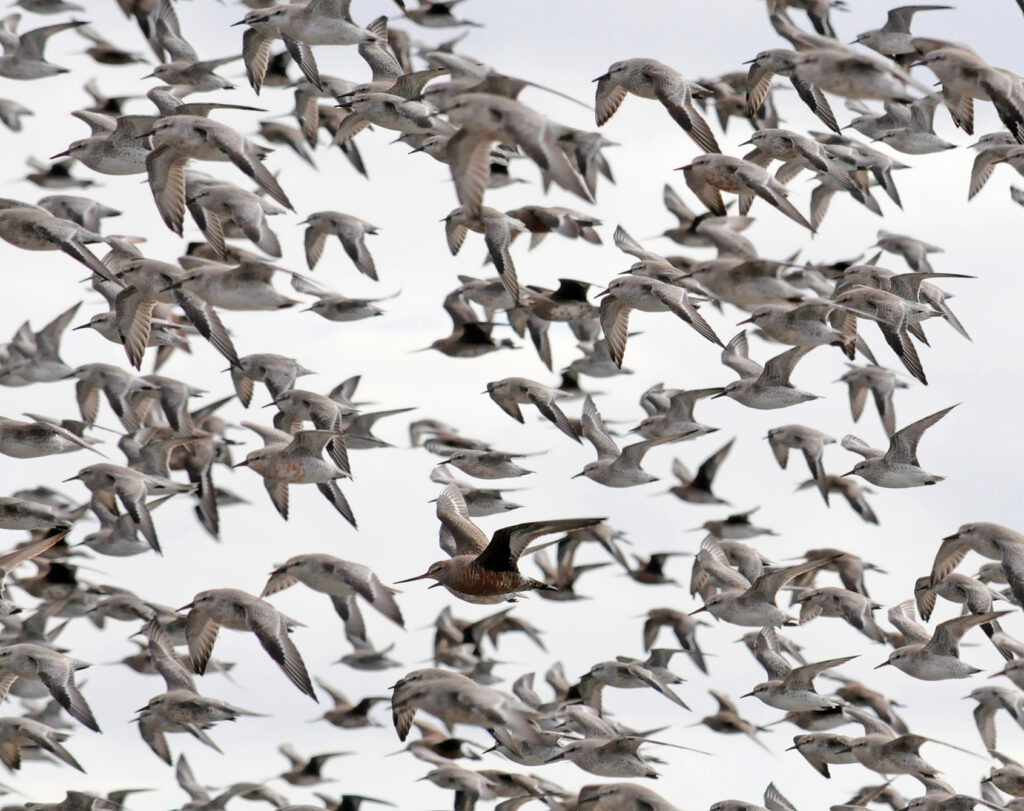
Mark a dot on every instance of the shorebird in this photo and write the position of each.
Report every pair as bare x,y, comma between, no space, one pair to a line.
499,229
351,233
894,38
623,795
651,79
989,540
671,412
769,387
882,383
116,146
232,608
298,459
697,488
216,207
23,53
29,440
897,466
484,118
728,721
340,579
934,656
627,293
179,138
32,228
55,670
305,771
111,482
808,440
148,282
615,468
709,175
623,675
788,688
990,701
276,372
483,571
755,606
509,392
299,27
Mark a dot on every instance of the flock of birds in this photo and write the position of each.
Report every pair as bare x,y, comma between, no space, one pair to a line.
175,437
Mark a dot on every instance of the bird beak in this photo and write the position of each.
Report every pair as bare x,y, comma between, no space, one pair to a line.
747,142
845,750
243,463
604,292
410,579
240,22
952,537
63,154
882,665
699,610
81,326
716,396
746,321
749,61
601,77
848,473
185,607
577,475
73,478
680,168
788,748
746,695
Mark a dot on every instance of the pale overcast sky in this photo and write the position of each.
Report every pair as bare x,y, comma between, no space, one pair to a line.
561,44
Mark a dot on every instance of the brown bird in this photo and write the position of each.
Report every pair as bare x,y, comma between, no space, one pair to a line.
482,571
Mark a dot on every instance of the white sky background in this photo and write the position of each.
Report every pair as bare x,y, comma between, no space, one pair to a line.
563,45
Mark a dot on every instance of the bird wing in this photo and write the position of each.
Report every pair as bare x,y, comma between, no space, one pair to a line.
766,650
780,451
706,472
903,444
594,430
468,156
858,445
709,195
679,303
768,584
946,639
614,315
453,513
60,681
802,677
355,247
673,92
200,635
778,369
607,98
271,629
165,659
550,410
279,581
508,543
166,170
902,617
